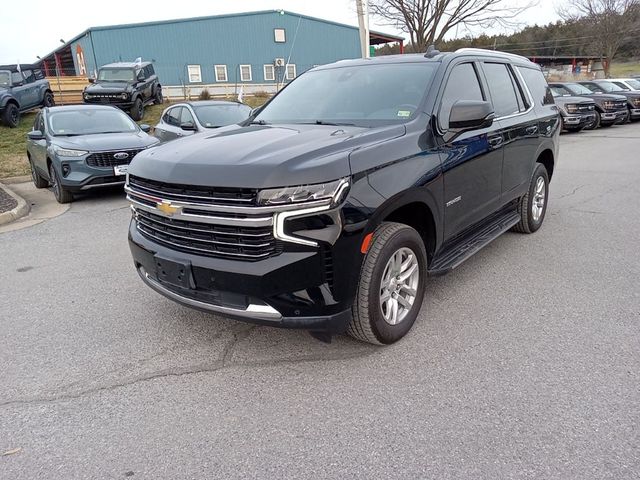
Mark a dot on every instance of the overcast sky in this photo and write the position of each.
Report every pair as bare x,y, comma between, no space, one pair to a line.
34,27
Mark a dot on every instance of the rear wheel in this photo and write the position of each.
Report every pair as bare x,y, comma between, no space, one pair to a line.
48,100
38,181
62,195
157,99
533,205
392,284
11,115
137,110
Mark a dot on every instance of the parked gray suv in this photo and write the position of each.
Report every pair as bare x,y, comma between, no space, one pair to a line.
22,88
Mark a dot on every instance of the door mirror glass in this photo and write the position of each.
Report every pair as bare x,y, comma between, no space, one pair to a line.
91,80
470,115
145,128
188,126
35,135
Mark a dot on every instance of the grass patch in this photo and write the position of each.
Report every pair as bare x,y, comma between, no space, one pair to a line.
622,70
13,141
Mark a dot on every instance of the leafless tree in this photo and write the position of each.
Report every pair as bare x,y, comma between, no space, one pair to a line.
610,24
428,21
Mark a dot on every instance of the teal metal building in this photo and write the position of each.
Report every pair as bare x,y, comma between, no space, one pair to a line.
257,49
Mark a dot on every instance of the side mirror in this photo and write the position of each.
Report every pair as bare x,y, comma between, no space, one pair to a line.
35,135
91,80
470,115
145,128
189,127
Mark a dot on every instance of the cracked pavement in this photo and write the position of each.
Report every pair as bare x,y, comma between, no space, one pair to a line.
524,361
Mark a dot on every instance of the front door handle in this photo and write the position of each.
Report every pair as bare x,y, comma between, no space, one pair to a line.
495,141
531,130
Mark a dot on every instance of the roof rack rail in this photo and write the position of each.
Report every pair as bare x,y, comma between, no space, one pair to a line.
490,52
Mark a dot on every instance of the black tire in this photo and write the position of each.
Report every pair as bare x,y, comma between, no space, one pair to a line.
528,222
38,181
137,110
157,98
48,100
11,115
368,323
595,124
62,195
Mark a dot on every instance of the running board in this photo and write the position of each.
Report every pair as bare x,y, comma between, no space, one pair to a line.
468,245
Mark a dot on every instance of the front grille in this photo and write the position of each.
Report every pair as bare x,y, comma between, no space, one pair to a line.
328,267
107,159
245,197
245,243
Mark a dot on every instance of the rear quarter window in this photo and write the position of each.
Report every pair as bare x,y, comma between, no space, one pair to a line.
537,85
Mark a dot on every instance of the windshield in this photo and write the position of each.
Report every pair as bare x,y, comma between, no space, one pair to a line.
212,116
578,89
363,95
116,75
88,121
5,77
635,84
610,87
559,91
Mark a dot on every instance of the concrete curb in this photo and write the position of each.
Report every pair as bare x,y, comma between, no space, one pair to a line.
19,211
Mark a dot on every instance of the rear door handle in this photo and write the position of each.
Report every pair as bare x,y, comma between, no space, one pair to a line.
531,130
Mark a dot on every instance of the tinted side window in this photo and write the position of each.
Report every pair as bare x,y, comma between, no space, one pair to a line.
172,117
16,79
462,84
186,116
149,69
537,85
502,89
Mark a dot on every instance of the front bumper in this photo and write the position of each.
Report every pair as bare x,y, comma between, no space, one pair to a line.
75,175
634,113
123,104
616,116
289,290
574,121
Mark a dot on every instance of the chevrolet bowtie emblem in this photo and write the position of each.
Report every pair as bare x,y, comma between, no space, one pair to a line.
166,207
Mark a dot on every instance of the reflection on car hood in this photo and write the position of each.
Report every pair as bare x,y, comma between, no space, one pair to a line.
106,141
106,87
566,100
259,156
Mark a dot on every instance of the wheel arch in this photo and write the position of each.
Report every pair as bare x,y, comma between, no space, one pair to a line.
547,159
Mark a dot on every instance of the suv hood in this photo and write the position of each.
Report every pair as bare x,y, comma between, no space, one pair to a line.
604,96
259,156
106,141
573,100
106,87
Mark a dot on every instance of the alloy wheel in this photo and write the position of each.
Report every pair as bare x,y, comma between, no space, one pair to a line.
399,285
539,197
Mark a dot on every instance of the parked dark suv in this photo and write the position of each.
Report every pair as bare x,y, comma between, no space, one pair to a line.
328,208
129,86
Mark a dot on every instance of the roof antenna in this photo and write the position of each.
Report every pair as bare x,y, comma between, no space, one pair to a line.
431,52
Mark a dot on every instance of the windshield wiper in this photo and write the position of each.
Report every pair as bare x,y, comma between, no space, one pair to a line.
334,124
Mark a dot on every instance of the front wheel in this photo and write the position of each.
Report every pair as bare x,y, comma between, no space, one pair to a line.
11,115
533,205
48,100
595,123
392,284
62,195
137,110
157,99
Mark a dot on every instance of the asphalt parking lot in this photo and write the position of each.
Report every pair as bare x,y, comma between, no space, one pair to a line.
524,362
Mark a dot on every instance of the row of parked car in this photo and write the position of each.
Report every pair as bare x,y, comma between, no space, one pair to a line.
597,103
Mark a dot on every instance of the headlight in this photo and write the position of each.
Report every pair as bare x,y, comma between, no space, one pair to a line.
124,96
571,108
67,152
636,101
609,105
303,193
86,96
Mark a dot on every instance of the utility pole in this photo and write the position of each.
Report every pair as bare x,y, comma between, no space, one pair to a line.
363,24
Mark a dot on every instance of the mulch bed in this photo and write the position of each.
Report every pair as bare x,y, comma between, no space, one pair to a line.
7,202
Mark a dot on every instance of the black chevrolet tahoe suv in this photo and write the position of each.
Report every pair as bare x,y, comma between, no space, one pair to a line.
129,86
331,205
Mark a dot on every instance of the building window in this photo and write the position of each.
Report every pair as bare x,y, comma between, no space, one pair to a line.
195,76
269,73
245,73
291,71
221,73
279,35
